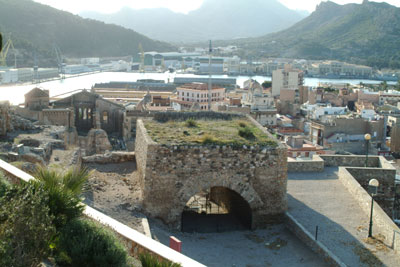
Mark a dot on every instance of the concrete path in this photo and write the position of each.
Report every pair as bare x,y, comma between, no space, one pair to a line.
275,246
320,199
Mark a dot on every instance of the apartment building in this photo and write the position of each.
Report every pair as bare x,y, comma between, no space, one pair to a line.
286,78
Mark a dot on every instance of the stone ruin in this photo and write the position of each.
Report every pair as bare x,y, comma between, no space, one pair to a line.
248,181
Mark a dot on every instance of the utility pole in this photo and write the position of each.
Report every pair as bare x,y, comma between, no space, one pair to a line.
209,76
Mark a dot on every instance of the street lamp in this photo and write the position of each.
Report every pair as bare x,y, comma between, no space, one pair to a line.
373,190
367,137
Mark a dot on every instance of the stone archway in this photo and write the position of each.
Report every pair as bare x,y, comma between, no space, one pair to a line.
218,210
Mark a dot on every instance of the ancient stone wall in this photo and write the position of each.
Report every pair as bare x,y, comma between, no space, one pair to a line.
5,118
27,114
60,117
172,174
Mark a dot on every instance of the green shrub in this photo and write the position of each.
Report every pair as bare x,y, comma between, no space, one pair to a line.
246,132
191,123
85,243
64,190
26,229
208,139
242,124
149,260
4,184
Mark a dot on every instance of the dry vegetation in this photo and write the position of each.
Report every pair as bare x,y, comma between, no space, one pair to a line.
237,131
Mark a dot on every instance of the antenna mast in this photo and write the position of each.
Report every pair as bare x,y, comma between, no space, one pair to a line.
209,76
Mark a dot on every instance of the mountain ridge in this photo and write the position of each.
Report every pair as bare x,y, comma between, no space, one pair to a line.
364,33
42,26
215,19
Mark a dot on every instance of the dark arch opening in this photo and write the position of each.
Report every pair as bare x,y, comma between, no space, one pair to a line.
219,209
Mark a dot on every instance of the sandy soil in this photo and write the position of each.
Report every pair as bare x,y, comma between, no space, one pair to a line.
114,190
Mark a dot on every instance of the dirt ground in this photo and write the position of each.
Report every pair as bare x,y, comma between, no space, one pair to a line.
114,190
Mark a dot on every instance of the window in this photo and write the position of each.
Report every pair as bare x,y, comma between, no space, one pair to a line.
105,116
187,94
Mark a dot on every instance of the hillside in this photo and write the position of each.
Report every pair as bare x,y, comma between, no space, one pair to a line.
35,28
215,19
366,33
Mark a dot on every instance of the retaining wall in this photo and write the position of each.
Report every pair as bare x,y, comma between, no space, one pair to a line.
304,235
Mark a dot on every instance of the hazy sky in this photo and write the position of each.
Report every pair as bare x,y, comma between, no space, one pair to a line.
184,6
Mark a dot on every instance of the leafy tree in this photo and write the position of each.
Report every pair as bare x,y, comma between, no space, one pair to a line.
266,84
26,229
384,85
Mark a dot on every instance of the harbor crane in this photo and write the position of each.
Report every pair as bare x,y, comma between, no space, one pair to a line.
60,59
3,54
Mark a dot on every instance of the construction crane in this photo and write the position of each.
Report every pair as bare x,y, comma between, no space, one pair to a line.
3,54
141,57
60,59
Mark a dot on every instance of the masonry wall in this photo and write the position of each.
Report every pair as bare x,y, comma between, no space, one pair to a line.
314,165
386,189
27,114
171,175
351,160
61,117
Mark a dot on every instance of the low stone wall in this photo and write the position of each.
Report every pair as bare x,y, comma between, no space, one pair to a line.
136,242
113,157
383,224
27,113
350,160
305,236
316,164
386,178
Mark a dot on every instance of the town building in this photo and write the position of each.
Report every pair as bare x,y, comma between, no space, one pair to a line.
346,133
393,124
261,103
287,78
195,96
299,146
390,97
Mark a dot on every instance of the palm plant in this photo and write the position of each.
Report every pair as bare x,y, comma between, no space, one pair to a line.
64,191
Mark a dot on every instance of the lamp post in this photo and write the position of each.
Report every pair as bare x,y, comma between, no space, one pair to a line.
373,190
367,137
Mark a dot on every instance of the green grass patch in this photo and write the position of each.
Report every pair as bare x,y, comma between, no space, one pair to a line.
238,131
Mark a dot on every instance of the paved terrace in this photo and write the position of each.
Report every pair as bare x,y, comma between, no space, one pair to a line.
320,199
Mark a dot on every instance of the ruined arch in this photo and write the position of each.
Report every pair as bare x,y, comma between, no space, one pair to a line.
217,210
229,188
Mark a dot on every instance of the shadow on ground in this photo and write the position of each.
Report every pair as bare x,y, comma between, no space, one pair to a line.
342,243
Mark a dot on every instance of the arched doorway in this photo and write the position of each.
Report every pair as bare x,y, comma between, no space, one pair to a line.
218,209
